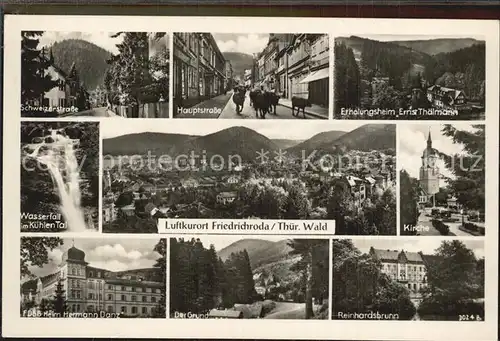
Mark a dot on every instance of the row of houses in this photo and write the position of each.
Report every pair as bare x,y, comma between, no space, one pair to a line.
200,70
295,65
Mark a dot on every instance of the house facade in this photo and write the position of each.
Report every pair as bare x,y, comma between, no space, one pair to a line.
446,98
90,289
406,268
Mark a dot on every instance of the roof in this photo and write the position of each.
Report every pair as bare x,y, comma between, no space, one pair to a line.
225,313
227,194
441,90
430,260
29,285
49,278
393,255
135,283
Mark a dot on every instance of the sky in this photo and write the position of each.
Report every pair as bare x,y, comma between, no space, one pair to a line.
413,141
245,43
102,39
221,242
426,245
273,129
110,254
408,37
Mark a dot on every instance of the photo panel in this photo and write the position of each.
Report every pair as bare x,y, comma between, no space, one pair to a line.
409,77
93,278
342,173
251,75
95,74
442,179
59,176
238,277
408,279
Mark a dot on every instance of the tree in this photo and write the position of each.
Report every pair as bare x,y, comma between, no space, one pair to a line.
130,68
305,248
347,78
468,166
161,265
35,252
59,300
35,81
408,196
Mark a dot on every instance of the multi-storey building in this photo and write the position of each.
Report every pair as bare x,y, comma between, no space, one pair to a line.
299,54
199,68
447,98
228,79
91,289
406,268
318,79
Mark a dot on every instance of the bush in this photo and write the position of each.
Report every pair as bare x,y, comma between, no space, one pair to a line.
440,307
268,306
441,227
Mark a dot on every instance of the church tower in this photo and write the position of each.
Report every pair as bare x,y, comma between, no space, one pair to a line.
429,172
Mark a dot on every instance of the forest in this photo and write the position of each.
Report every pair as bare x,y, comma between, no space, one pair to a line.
371,74
200,280
38,193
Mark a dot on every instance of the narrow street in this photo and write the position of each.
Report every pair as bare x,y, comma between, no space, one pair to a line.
282,112
211,108
424,220
95,112
288,310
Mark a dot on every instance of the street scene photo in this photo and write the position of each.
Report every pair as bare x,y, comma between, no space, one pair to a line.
178,169
442,179
409,77
230,277
93,278
94,74
239,76
408,279
59,176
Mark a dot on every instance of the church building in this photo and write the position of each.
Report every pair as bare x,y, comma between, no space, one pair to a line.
429,174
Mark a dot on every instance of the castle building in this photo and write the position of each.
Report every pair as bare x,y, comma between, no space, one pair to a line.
407,268
90,289
429,173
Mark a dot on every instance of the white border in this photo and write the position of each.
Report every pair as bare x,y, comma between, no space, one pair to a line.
13,325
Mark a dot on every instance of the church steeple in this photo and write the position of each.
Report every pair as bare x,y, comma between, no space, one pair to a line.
429,140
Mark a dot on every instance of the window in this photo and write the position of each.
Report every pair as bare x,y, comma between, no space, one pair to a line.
158,291
153,299
73,308
124,298
144,310
99,274
134,298
124,309
124,288
134,310
110,297
77,308
90,308
110,309
91,274
143,289
100,297
144,298
133,289
78,294
91,285
91,296
73,271
110,287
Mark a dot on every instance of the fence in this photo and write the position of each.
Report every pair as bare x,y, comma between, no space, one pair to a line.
146,110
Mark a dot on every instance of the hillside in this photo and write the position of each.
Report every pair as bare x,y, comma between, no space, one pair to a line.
260,252
239,62
314,142
436,46
90,60
234,141
365,138
141,143
285,144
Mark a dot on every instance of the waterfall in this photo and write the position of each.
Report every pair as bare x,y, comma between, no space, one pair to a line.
59,156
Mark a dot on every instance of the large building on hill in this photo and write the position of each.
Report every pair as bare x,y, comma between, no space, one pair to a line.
90,289
407,268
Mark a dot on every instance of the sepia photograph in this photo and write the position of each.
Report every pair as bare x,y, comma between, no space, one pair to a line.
442,179
230,277
343,172
94,74
59,176
408,279
239,76
409,77
93,278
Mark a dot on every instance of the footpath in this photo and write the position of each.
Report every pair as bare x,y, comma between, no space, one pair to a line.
314,110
